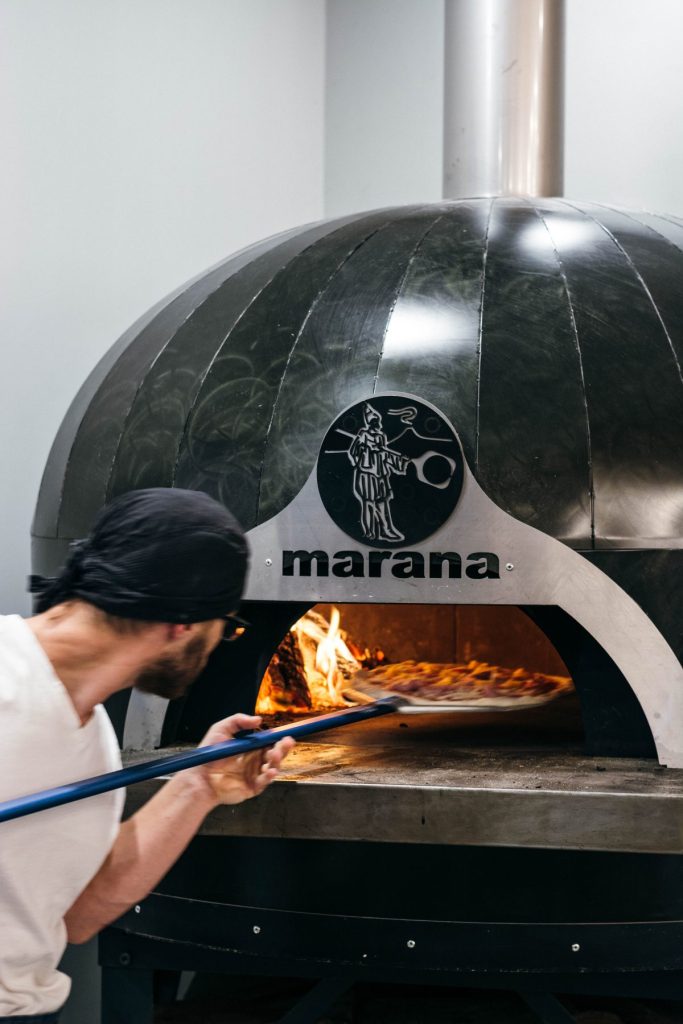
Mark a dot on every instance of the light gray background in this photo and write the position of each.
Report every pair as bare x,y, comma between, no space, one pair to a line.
144,140
141,141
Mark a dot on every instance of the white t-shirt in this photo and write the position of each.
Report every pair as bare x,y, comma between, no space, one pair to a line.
48,858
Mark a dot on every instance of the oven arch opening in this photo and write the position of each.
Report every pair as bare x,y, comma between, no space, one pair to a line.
604,718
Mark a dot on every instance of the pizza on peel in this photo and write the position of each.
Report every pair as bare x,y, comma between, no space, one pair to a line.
438,684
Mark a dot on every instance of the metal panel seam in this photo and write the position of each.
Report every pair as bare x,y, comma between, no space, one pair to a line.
642,224
572,318
398,294
309,312
225,340
480,339
639,278
155,310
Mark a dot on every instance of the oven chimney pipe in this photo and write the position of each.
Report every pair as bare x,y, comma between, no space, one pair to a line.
503,98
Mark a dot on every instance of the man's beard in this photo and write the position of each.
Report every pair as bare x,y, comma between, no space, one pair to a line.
171,676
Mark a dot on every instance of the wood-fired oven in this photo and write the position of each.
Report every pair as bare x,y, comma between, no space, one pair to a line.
461,426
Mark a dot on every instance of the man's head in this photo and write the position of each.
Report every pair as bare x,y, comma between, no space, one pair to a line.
170,673
161,556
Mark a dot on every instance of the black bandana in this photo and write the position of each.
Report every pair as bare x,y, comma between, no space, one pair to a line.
162,554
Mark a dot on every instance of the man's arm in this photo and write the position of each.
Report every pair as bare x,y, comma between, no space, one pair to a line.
153,839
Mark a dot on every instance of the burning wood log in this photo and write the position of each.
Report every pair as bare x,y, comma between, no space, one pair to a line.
309,668
285,678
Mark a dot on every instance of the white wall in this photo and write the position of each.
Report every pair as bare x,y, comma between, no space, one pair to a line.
384,103
142,141
624,142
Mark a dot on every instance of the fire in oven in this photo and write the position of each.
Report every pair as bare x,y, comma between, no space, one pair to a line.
460,488
320,666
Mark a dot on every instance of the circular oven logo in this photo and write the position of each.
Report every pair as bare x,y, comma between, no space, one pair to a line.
390,471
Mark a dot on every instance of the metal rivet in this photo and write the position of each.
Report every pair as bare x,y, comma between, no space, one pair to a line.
124,959
410,943
269,561
509,566
138,908
256,930
575,947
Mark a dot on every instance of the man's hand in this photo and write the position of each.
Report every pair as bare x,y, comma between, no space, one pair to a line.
238,778
150,841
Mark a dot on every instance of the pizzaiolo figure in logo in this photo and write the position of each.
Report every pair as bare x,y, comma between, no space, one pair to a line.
374,463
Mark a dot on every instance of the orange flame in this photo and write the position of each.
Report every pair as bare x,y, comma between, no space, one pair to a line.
327,664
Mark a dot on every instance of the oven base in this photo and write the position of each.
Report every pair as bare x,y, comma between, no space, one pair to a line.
538,921
391,948
136,965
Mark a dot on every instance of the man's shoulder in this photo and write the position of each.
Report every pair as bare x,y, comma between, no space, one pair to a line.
12,623
22,662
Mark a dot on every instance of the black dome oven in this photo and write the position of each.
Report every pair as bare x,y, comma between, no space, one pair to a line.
542,341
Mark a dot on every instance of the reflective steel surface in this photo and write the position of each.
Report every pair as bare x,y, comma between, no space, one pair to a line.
504,98
460,782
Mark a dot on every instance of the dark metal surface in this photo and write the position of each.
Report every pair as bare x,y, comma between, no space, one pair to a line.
127,996
626,352
146,955
308,1009
432,948
613,721
548,1009
534,447
572,313
78,474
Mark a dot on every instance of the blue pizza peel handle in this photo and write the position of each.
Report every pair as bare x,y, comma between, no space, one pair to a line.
243,744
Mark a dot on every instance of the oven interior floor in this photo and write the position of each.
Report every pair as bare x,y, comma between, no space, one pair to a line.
512,779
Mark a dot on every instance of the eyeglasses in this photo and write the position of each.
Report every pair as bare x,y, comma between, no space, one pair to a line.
235,627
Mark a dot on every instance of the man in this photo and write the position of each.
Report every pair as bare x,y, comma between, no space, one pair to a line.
142,602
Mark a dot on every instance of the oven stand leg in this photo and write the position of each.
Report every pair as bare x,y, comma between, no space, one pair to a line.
547,1008
127,996
316,1001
